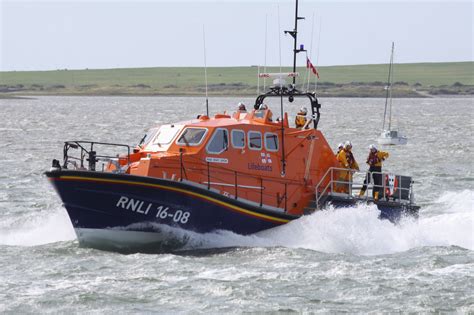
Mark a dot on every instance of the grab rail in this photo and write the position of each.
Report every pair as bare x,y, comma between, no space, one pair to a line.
212,172
90,155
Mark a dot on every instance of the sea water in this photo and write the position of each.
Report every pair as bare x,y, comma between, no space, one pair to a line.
344,260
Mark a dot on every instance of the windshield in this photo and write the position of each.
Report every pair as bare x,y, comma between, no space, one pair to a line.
165,135
148,136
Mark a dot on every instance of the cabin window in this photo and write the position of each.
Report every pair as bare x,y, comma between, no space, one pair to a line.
238,139
192,136
150,134
255,140
219,141
271,141
165,134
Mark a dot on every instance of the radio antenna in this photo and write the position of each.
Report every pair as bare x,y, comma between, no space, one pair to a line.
265,54
283,158
317,54
205,69
308,74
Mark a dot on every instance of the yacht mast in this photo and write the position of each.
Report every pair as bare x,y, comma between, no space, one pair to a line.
389,92
391,84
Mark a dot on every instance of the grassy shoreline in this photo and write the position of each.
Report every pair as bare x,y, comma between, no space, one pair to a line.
411,80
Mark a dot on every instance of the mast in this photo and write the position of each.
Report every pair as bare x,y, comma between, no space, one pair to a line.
388,95
294,34
391,83
205,68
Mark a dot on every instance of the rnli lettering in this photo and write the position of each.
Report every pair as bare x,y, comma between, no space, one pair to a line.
134,205
162,212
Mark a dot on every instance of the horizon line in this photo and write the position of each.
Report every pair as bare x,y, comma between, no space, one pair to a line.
246,66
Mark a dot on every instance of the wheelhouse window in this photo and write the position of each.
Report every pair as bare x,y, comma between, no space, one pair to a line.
255,140
150,134
165,135
219,141
238,139
271,141
192,136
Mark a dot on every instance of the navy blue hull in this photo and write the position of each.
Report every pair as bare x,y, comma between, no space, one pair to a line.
96,200
130,213
392,211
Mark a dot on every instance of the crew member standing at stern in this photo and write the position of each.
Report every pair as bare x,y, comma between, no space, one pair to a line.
374,160
350,157
347,160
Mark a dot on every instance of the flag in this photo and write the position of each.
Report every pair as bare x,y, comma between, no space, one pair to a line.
310,66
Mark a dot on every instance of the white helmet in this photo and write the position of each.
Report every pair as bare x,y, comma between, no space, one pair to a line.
340,146
347,144
303,110
372,147
263,107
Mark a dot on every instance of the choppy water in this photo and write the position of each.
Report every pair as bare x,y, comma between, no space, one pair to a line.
332,261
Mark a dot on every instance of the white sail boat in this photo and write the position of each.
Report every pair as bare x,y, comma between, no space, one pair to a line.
390,136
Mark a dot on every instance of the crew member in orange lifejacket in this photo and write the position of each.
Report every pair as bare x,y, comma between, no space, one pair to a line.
374,160
347,160
350,157
300,119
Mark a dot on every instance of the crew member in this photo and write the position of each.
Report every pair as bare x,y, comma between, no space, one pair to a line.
374,160
340,147
242,108
341,157
350,157
347,160
300,119
263,107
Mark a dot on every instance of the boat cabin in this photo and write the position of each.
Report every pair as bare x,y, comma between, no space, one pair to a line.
240,155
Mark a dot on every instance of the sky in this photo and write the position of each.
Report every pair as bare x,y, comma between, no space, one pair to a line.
48,35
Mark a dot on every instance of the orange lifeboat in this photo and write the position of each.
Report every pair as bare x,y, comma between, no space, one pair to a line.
245,173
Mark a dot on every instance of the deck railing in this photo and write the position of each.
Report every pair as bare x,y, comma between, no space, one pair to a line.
218,176
347,183
87,153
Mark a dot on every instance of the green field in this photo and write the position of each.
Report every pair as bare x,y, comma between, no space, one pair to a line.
241,80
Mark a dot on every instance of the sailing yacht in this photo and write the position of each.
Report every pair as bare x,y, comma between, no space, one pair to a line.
390,136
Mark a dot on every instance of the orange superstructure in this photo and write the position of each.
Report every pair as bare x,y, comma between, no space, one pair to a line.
240,155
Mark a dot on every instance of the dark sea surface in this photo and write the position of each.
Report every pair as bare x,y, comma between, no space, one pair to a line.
332,261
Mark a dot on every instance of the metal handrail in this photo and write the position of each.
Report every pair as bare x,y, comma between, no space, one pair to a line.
92,156
321,191
222,182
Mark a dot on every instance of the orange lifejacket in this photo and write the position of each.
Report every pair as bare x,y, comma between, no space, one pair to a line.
300,120
376,158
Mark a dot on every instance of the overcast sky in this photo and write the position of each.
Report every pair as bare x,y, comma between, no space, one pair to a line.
39,35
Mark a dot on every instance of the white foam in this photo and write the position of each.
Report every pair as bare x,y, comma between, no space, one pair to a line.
357,230
43,228
448,221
